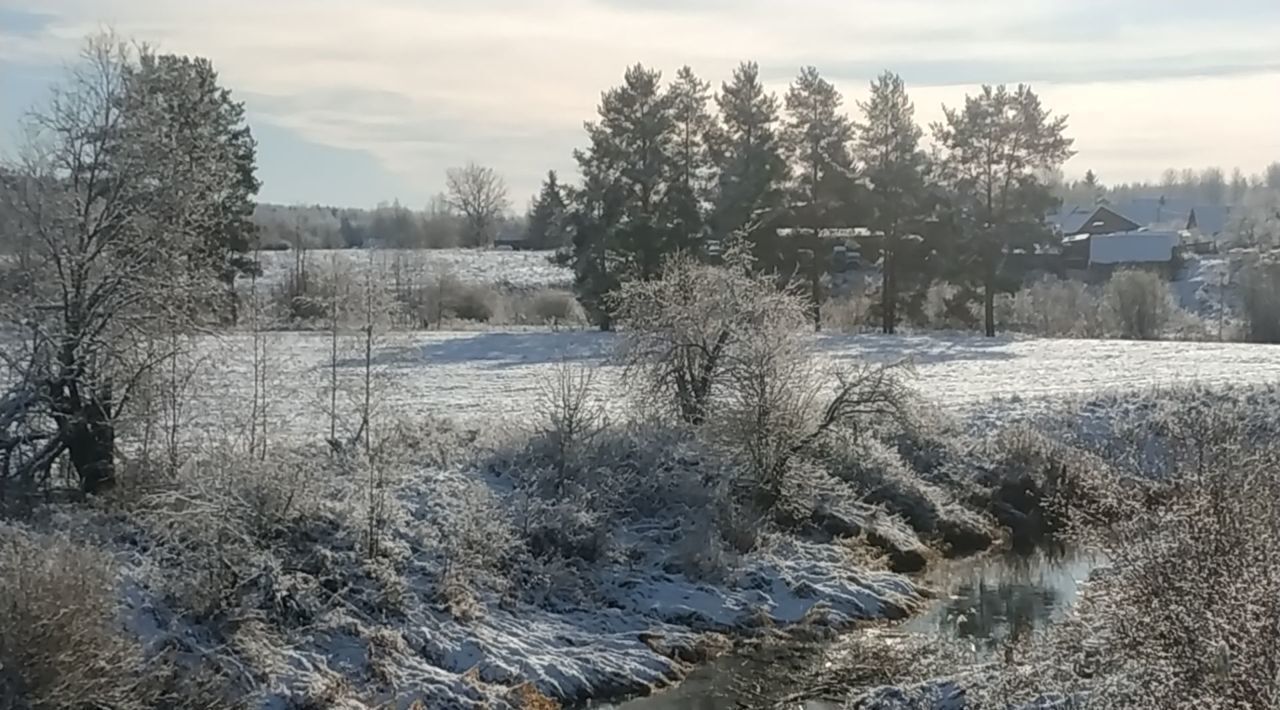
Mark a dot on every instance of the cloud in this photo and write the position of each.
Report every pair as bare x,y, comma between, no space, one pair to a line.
423,84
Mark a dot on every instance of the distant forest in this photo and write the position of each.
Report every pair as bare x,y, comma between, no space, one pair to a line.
1210,186
389,225
437,225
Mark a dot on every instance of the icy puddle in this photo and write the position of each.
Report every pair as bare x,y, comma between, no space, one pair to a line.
982,603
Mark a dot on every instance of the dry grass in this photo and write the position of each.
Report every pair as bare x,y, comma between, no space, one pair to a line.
62,644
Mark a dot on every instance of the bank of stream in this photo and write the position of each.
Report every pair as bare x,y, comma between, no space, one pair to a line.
979,604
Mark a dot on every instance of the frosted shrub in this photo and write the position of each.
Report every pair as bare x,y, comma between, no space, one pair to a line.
726,352
572,415
62,644
1138,305
682,333
548,307
1190,615
219,518
1055,308
474,303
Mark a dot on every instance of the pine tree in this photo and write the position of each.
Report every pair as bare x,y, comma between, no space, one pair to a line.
816,140
888,144
693,171
996,149
619,215
748,154
547,216
176,107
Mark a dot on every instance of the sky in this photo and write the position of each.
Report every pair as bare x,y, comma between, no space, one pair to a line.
354,103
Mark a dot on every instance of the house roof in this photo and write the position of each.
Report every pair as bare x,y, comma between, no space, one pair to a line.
1173,213
1212,219
1072,218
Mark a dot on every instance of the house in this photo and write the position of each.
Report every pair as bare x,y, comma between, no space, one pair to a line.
1203,223
1100,219
1100,254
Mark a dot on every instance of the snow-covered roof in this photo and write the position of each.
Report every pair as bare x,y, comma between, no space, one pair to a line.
1173,213
1141,247
1071,218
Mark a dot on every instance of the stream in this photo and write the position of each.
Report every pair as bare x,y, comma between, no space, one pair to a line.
981,602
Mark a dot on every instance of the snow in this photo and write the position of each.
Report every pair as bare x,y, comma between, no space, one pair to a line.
494,377
634,617
518,269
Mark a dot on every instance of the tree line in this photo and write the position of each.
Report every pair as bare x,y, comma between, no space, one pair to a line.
680,168
473,211
1209,186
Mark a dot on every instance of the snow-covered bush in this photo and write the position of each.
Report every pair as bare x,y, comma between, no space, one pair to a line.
1188,614
1039,487
547,307
218,520
62,643
1138,305
1053,307
724,351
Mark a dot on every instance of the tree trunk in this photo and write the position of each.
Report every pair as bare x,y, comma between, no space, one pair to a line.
91,444
888,295
233,303
989,307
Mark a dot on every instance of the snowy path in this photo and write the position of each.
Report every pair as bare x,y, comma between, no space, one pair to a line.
495,375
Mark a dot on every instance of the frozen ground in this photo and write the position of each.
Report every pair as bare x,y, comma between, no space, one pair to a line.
495,376
519,269
617,626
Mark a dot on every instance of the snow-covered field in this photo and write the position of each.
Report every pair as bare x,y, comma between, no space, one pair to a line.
494,377
519,269
607,628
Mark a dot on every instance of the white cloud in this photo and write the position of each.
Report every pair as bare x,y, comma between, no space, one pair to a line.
424,84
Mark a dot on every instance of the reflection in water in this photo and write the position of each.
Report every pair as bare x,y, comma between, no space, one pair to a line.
984,602
1003,598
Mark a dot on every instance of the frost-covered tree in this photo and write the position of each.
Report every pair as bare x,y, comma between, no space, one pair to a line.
546,218
995,149
176,103
722,348
896,169
479,194
118,253
748,153
1213,186
1239,187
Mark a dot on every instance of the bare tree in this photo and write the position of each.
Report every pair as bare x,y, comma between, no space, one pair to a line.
480,194
99,196
573,415
679,328
727,351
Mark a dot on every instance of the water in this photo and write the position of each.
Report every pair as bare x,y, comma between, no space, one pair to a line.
1003,597
981,603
